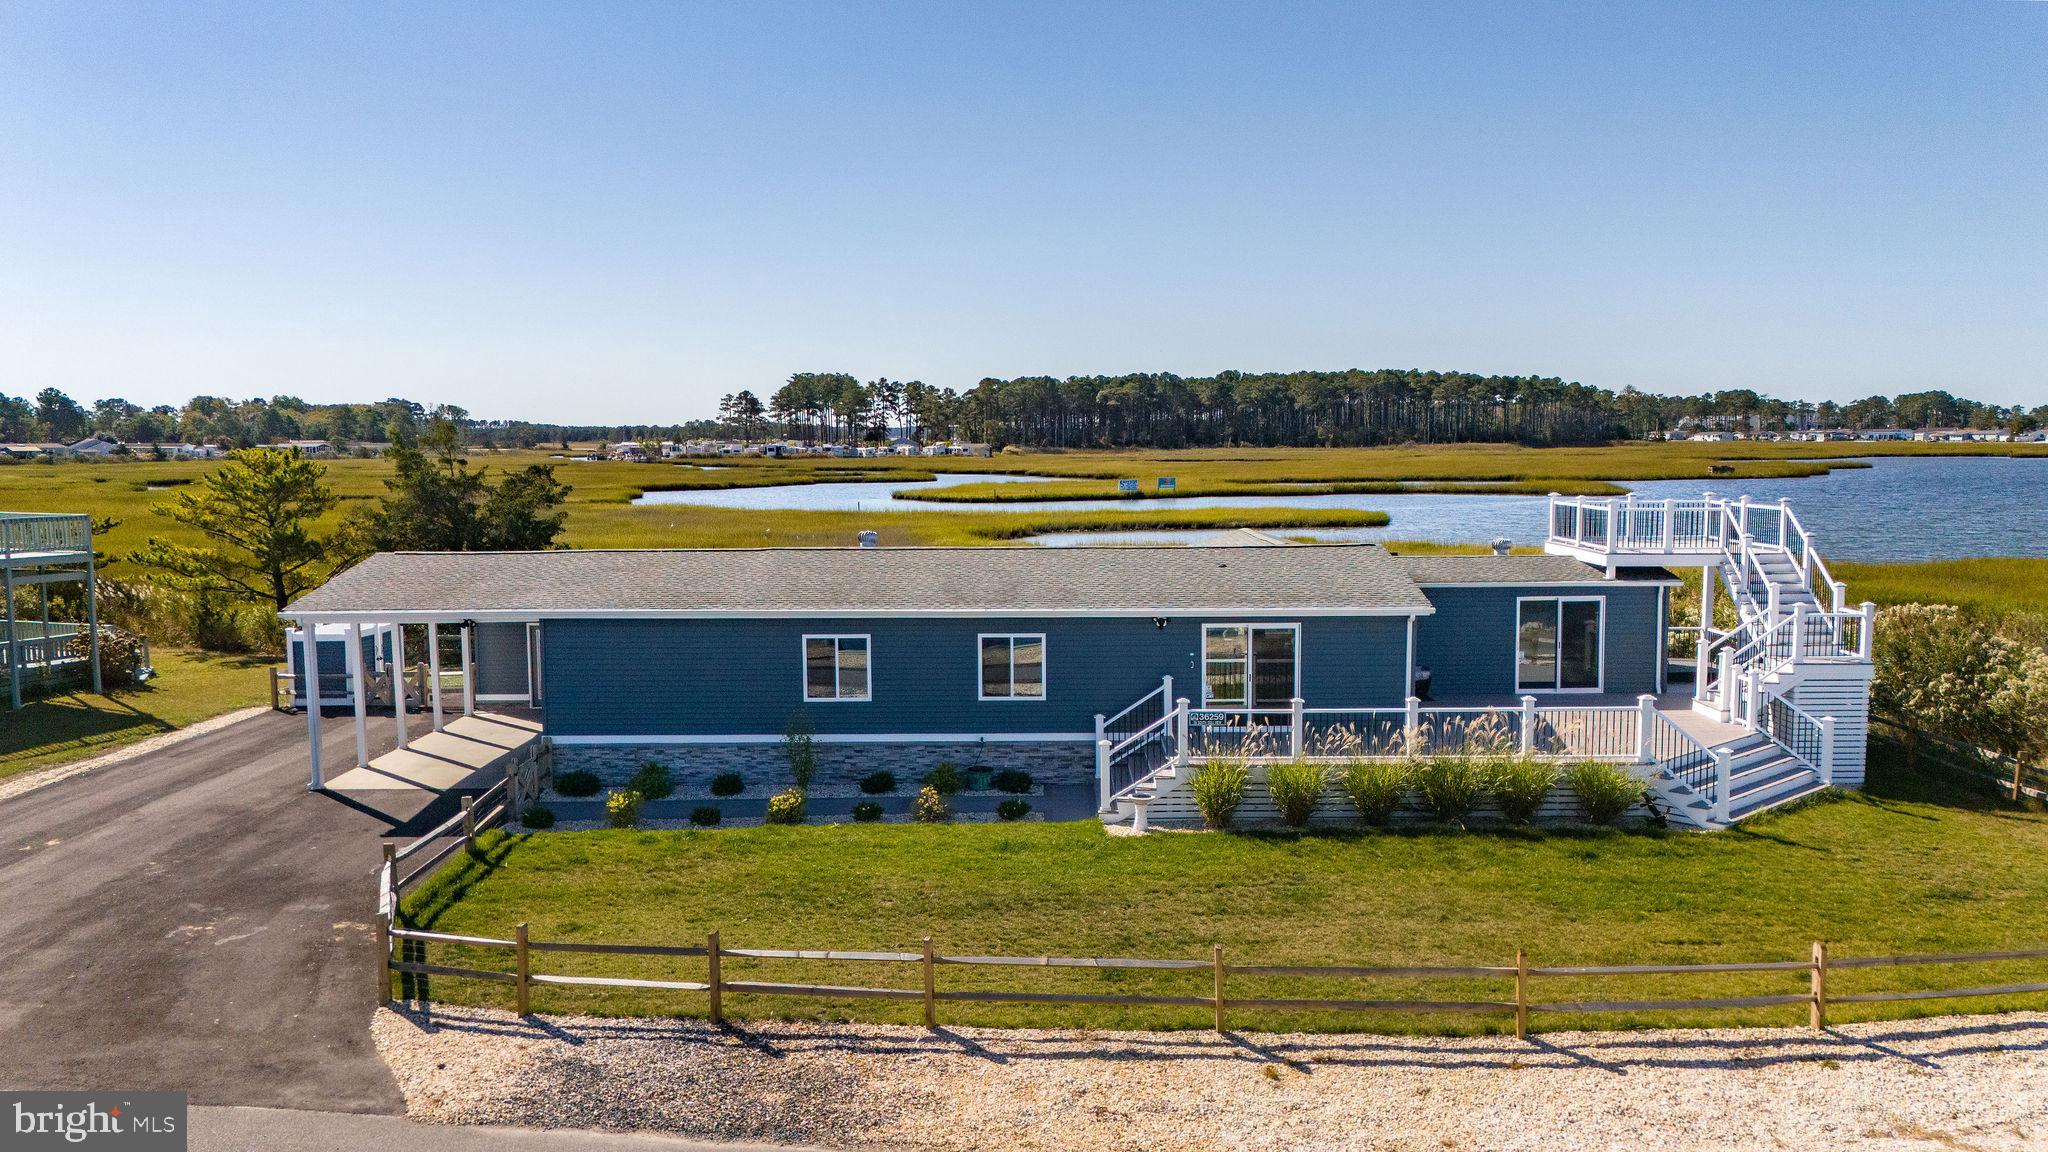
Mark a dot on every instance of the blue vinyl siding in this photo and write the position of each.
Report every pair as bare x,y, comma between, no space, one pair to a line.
500,659
1469,644
744,676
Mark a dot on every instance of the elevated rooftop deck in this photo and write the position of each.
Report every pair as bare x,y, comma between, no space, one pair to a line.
31,539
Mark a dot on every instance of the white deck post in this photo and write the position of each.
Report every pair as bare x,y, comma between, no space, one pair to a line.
434,672
309,680
1771,600
1646,716
1721,784
13,643
397,667
1701,657
1742,519
1180,731
1784,516
1411,722
1670,525
1165,694
1102,773
92,619
1528,725
1798,631
1827,750
1869,629
359,681
1726,687
1294,729
468,675
1751,696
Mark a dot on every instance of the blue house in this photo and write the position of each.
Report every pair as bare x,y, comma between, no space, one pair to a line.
1106,666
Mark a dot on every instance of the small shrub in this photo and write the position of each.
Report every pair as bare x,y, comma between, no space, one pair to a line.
622,808
878,783
577,782
537,816
1519,784
653,781
1450,785
1605,791
946,779
802,750
867,812
786,807
1297,788
1013,780
706,816
930,807
1014,809
728,784
1375,788
1218,786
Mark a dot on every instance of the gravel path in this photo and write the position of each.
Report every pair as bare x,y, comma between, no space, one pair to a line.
1959,1082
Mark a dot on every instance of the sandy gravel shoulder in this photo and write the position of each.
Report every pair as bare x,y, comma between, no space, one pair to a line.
1957,1082
36,778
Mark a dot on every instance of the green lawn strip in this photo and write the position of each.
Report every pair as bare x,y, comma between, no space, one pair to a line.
191,686
1916,865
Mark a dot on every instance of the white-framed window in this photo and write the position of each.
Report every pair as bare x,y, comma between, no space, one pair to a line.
1012,665
1250,666
836,668
1558,643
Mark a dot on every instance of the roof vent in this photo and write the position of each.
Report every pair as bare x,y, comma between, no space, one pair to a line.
869,538
1501,545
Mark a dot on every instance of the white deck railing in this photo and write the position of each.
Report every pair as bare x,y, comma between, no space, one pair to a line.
43,533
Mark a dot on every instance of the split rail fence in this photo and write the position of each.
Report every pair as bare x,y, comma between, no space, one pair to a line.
404,951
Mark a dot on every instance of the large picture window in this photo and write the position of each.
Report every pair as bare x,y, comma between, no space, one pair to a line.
1557,643
835,668
1013,667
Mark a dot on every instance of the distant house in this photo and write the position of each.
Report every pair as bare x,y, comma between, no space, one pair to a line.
312,448
369,448
38,451
1715,437
95,447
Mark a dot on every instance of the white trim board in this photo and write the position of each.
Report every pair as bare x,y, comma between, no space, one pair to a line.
529,615
843,738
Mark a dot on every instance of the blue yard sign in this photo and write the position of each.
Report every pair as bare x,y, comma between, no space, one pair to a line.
1166,484
1127,487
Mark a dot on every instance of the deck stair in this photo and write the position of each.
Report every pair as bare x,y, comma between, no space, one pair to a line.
1762,775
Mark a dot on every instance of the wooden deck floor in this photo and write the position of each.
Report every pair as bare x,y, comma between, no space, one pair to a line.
471,751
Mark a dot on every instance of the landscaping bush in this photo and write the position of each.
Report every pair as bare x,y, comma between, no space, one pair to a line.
1014,809
537,816
1218,786
867,812
1013,780
706,816
878,783
930,807
653,781
577,782
786,807
946,779
1375,788
728,784
622,808
802,750
1297,788
1519,784
1450,785
1605,791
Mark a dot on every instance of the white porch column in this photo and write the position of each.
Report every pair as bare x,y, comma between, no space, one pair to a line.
359,684
397,667
468,675
1410,682
309,681
434,672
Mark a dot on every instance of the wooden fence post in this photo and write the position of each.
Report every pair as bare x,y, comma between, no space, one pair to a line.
1216,962
272,673
716,981
519,956
1819,1014
931,987
1521,994
383,958
387,907
469,823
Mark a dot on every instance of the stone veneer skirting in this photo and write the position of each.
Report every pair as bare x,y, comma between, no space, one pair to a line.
838,764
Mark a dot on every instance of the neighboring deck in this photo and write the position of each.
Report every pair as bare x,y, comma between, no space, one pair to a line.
471,752
36,539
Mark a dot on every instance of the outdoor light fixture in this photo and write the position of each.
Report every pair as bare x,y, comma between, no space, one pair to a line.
1160,622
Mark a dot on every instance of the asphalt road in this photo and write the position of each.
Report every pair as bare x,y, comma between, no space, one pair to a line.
267,1130
195,920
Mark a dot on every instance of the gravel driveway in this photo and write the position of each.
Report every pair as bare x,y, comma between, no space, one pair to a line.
1977,1082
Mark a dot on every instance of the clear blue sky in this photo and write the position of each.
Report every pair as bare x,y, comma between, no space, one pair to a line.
613,211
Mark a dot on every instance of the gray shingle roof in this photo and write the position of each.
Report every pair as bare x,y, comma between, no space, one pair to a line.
792,581
1489,569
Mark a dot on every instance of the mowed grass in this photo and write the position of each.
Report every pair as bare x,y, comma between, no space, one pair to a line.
1914,865
191,686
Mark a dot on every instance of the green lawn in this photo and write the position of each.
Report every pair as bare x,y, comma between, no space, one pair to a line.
190,686
1913,865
